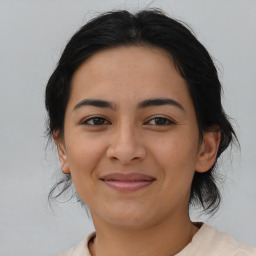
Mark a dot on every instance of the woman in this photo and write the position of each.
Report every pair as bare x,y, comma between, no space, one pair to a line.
135,111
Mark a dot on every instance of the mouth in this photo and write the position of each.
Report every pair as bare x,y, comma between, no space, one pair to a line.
127,182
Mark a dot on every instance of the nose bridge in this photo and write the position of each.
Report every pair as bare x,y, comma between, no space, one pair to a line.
125,144
125,132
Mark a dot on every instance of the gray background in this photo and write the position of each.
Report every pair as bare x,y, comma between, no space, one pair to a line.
32,37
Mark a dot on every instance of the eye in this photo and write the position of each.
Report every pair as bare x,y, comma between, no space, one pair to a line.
95,121
160,121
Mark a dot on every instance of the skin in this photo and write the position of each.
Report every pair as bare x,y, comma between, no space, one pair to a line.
153,220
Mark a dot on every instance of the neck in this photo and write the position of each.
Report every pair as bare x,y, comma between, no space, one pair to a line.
166,238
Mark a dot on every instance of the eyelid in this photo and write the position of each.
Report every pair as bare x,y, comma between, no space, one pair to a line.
85,121
170,121
89,118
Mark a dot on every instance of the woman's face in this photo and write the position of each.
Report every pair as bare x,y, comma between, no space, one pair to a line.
131,139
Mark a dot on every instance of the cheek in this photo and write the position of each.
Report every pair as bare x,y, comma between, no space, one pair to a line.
83,150
84,155
177,155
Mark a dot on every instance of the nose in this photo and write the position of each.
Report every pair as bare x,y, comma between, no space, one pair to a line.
126,146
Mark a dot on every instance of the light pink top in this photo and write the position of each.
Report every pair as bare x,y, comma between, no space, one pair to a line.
206,242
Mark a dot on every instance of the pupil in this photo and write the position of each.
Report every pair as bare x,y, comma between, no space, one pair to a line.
160,121
98,121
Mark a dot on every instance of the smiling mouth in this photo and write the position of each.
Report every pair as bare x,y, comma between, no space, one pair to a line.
127,182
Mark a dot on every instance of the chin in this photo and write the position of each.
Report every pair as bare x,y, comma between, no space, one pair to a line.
128,217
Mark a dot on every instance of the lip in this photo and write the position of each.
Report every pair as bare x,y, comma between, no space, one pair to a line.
127,182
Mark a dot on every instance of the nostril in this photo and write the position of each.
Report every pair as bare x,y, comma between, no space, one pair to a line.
126,152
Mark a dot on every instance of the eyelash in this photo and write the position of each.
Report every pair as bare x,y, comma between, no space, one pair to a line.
166,120
94,118
104,121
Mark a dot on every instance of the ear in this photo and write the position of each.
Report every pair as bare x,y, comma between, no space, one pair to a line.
61,152
208,151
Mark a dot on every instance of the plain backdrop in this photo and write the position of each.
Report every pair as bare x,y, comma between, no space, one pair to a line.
32,36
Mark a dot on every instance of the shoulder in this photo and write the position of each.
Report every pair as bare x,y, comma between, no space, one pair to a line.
81,249
211,242
207,241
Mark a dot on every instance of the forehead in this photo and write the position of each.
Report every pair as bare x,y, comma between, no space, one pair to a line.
123,60
128,72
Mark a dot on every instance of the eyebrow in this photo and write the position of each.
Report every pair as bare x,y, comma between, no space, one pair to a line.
160,102
143,104
95,103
